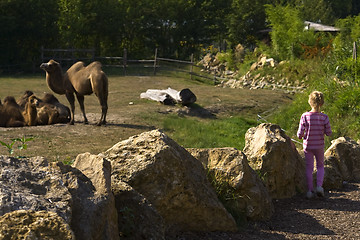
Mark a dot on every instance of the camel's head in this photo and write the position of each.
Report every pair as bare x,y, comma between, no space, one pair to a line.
50,66
33,101
9,100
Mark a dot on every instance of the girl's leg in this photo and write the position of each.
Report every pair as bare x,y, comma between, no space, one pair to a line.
319,155
309,158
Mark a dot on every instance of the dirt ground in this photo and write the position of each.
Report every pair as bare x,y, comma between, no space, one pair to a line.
128,115
334,217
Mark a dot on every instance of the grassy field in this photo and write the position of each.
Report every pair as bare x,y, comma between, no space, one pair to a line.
219,118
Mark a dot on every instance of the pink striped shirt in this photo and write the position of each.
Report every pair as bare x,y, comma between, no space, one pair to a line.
312,128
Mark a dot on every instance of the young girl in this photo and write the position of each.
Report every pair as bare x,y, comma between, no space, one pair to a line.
312,128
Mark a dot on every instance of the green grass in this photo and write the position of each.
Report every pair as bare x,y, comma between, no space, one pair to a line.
341,105
209,133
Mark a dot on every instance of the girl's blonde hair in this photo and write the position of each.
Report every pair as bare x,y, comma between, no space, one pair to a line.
316,99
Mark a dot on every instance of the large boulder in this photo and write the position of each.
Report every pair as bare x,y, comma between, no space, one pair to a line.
32,225
137,218
272,154
242,190
35,184
31,184
172,180
100,219
342,162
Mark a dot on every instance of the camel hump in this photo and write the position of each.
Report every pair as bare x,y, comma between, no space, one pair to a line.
76,67
95,64
94,67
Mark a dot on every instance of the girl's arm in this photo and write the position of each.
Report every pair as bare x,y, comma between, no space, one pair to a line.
301,130
328,131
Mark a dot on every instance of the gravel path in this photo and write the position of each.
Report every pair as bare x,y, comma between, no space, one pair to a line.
336,216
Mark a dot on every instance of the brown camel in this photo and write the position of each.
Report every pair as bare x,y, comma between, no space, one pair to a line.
47,115
24,99
30,112
80,80
10,113
52,104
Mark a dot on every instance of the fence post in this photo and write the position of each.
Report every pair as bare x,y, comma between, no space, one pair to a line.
191,66
93,54
155,60
125,60
42,54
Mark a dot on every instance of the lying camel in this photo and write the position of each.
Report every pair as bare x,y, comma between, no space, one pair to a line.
54,112
10,113
80,80
30,112
24,99
51,101
47,115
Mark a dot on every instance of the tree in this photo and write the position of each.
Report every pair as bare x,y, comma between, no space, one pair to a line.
319,11
89,24
246,19
24,27
287,30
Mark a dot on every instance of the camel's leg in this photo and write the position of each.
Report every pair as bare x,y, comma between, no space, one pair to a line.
102,95
104,109
80,99
70,97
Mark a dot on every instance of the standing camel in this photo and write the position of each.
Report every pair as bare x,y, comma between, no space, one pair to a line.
81,80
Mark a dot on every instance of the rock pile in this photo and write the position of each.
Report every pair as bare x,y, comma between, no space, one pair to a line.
211,64
38,185
250,80
149,187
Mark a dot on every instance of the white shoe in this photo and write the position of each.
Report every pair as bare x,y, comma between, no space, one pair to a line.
309,195
320,191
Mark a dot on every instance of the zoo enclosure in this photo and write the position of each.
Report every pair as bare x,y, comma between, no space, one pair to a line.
67,57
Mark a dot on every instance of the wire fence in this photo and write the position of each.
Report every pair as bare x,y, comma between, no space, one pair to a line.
262,119
67,57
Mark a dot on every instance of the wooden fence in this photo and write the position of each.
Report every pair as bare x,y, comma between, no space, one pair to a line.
69,56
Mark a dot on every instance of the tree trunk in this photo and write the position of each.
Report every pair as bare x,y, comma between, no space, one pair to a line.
170,96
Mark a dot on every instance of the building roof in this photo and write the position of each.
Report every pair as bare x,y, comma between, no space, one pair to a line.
320,27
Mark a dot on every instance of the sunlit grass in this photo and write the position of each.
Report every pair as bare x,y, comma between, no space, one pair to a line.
208,133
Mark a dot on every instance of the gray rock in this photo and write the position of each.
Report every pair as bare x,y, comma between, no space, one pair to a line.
273,155
172,180
137,218
35,184
242,190
32,225
342,162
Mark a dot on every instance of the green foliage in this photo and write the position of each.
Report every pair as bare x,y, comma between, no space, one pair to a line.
341,105
246,19
227,58
128,222
21,144
24,27
287,30
68,161
109,26
228,195
319,11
